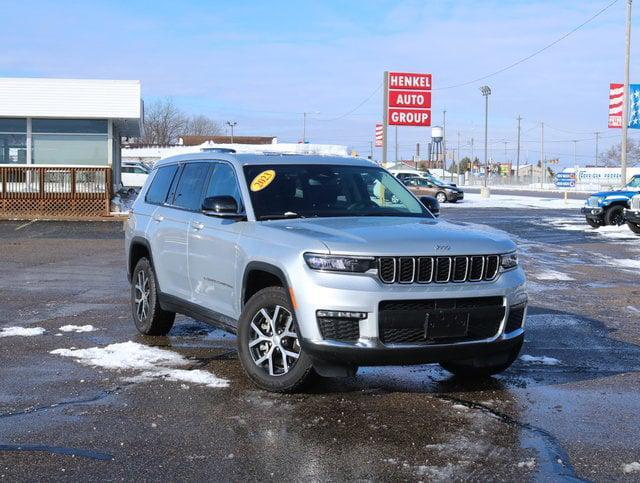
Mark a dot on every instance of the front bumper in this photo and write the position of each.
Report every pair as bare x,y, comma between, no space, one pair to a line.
362,293
593,212
374,353
632,216
455,196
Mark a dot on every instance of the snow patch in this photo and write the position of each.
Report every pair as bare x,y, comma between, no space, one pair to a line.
621,232
544,360
474,200
629,263
21,331
631,468
633,309
460,407
151,361
77,328
551,275
530,463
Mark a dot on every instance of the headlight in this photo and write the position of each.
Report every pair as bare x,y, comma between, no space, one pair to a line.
509,261
338,263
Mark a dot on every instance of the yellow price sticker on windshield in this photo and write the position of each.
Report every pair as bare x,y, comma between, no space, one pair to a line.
263,180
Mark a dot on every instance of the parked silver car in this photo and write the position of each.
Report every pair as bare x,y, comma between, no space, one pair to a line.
318,270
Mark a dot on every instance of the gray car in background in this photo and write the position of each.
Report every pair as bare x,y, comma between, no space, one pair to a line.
319,265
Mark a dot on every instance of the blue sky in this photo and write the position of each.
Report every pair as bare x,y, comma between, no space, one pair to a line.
264,63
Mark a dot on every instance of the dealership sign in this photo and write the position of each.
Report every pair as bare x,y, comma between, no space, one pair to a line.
408,99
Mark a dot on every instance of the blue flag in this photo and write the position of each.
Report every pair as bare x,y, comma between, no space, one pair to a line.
634,106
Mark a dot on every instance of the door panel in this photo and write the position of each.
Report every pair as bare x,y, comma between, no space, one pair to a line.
213,248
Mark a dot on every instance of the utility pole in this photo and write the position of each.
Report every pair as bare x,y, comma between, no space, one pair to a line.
371,150
597,139
417,154
472,157
486,92
543,162
518,152
459,156
304,127
444,138
396,143
575,156
232,124
625,96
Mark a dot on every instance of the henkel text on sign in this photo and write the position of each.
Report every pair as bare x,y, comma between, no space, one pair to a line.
420,99
408,99
403,80
409,117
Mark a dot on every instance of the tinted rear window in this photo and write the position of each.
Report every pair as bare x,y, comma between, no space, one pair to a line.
189,192
159,188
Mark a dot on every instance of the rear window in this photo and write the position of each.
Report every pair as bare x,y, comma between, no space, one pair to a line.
159,188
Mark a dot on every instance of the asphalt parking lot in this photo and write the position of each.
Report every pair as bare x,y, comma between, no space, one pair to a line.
570,408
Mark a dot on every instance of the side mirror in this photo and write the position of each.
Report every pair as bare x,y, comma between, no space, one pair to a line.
431,204
221,206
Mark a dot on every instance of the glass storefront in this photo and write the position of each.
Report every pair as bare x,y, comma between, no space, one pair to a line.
70,141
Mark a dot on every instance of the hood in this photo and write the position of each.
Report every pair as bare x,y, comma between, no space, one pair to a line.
621,193
397,236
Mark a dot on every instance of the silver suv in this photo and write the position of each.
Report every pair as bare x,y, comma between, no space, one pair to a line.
319,265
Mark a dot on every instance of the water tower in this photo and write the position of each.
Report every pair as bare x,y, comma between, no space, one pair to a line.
437,133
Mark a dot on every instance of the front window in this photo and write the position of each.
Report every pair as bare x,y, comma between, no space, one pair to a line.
70,141
634,183
13,141
289,191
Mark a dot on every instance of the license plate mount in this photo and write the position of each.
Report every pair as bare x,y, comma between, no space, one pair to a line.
445,325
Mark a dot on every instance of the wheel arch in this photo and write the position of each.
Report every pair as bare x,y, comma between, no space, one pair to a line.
259,275
138,248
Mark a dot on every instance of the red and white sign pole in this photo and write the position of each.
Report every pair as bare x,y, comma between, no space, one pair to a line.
406,102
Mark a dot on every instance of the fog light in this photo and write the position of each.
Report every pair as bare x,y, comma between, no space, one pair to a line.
339,314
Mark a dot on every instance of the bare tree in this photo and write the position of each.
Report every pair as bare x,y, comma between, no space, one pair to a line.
612,156
164,122
201,125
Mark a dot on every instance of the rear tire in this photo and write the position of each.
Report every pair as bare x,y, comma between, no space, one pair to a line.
148,316
268,344
483,366
593,223
634,227
614,215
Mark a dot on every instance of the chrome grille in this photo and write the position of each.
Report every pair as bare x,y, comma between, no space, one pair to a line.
635,203
457,269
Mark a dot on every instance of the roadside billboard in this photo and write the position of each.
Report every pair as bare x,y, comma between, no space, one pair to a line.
408,99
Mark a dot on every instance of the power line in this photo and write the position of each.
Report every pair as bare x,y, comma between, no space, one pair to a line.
530,56
357,107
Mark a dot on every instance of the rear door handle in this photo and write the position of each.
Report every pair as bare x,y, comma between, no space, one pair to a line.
158,218
197,226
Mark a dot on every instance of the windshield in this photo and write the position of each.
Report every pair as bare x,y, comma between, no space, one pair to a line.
289,191
634,183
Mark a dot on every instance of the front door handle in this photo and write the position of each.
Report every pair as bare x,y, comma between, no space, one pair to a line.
197,226
158,218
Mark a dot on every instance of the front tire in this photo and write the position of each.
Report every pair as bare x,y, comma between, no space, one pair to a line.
614,215
484,366
148,316
593,223
268,344
441,197
634,227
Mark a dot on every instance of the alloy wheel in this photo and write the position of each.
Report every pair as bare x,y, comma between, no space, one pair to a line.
273,342
142,295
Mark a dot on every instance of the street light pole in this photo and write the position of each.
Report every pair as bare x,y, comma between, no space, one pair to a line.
304,125
625,97
518,153
231,124
486,92
597,139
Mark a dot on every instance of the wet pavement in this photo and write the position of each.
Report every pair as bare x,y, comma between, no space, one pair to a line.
576,416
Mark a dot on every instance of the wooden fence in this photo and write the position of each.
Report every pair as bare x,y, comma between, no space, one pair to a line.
54,192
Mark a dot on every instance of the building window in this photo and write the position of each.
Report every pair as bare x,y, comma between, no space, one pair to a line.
13,141
70,141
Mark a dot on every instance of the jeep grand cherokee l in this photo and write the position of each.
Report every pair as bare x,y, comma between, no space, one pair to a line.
317,270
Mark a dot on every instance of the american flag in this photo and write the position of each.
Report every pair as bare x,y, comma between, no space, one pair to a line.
634,106
379,134
616,100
